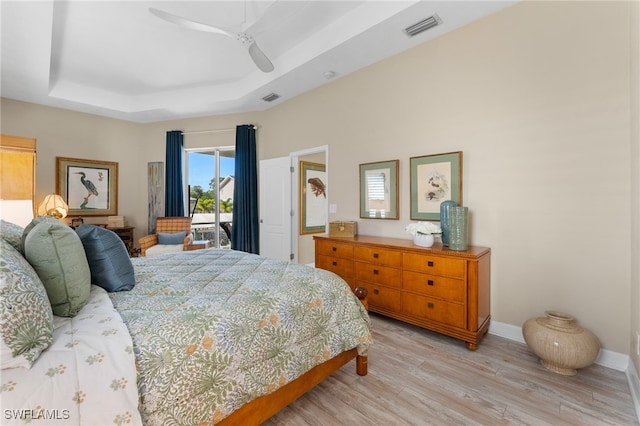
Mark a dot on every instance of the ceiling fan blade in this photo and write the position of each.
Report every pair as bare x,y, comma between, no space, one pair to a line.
187,23
257,55
260,59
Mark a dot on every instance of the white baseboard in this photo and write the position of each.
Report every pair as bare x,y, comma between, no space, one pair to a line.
606,358
634,385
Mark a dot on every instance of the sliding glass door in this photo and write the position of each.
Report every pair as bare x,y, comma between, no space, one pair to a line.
210,177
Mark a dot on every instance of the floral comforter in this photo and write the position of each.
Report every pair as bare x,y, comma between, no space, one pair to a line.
214,329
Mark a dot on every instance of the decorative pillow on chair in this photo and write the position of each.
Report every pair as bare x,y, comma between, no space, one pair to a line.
12,233
56,253
171,239
26,320
108,258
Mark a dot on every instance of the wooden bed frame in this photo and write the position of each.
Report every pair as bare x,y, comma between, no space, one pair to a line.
261,409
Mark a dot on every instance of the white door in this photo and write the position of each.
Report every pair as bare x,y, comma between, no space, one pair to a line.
275,208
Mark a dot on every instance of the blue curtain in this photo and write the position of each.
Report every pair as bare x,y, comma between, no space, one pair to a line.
173,195
245,232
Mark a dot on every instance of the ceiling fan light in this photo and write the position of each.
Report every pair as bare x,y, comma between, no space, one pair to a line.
423,25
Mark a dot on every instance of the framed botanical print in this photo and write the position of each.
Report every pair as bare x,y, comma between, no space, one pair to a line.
434,179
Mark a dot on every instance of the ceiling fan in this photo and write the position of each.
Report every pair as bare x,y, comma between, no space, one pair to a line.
257,55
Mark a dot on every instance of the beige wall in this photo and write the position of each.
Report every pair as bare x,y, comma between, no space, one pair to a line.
62,133
538,99
634,337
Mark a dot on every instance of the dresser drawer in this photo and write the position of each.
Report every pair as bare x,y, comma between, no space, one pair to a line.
381,296
450,289
434,309
379,256
342,267
378,274
332,248
444,266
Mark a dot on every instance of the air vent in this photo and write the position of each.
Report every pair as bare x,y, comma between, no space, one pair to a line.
423,25
271,97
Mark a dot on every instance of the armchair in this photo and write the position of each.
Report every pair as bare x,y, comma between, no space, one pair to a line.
149,245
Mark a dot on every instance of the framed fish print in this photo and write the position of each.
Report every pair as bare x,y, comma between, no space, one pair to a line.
313,198
89,187
379,190
434,179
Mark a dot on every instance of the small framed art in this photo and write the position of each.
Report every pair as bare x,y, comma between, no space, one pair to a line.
379,190
313,198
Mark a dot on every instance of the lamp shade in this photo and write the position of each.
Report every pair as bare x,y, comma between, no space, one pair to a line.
53,205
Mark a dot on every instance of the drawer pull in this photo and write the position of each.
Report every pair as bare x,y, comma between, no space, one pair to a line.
334,248
376,272
376,291
429,282
334,263
430,263
376,255
430,305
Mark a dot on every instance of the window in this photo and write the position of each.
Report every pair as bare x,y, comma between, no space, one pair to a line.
210,178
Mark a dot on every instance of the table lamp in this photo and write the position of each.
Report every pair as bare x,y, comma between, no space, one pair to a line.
53,205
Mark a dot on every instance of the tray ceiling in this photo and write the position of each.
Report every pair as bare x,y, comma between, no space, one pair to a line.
116,59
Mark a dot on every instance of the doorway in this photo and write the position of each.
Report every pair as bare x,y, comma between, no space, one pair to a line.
279,206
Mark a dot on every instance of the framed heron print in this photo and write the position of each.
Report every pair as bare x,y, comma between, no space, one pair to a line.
434,179
89,187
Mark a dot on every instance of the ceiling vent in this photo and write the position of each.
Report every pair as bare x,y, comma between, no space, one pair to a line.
423,25
271,97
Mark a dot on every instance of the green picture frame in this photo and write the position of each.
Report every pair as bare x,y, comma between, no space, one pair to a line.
434,179
379,190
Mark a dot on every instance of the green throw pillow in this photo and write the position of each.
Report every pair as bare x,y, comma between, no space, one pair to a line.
33,223
56,253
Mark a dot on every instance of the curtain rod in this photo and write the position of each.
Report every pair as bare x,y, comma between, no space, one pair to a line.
196,132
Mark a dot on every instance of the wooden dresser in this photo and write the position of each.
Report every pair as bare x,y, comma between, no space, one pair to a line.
436,288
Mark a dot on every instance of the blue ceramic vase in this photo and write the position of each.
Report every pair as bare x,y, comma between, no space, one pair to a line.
444,220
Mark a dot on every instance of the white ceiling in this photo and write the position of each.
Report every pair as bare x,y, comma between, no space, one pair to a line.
115,59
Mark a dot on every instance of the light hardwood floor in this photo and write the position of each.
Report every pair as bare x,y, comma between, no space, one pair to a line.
417,377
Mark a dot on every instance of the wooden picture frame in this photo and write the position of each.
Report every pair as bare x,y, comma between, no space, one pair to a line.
313,198
379,190
434,179
89,187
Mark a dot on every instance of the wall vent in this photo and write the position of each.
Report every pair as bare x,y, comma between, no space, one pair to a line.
271,97
423,25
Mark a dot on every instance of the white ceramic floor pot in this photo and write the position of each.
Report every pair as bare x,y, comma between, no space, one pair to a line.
560,343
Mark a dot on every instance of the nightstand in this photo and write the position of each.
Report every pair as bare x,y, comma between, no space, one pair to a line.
126,235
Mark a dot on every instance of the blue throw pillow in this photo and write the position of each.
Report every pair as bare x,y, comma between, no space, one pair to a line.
171,239
108,258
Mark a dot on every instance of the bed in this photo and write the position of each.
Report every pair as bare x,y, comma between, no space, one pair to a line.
202,337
